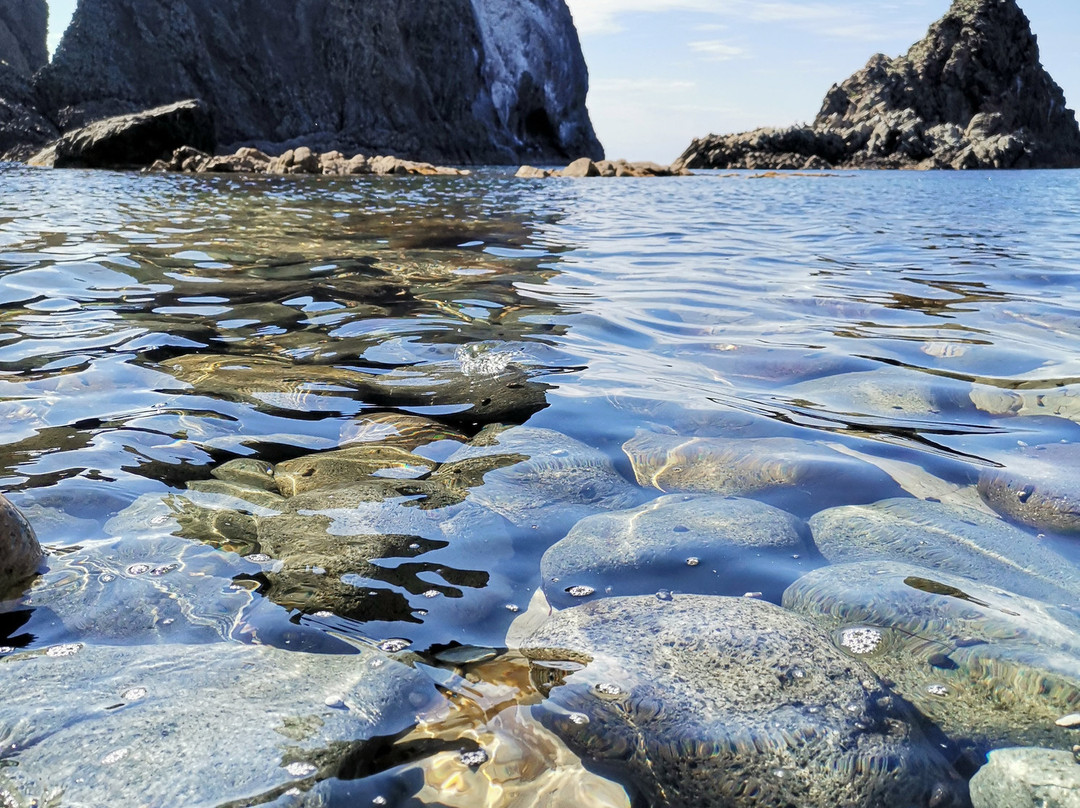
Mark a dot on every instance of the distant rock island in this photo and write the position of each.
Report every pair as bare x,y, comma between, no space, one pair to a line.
971,95
462,81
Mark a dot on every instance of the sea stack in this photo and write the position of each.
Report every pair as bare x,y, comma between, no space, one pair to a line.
24,31
461,81
23,50
971,95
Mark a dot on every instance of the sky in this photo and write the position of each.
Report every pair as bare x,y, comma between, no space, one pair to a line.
663,72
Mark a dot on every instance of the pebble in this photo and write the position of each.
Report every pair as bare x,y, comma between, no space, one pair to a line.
1071,721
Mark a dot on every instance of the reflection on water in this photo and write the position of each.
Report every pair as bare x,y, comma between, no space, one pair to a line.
299,403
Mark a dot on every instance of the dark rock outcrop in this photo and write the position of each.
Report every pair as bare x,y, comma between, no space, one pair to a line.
24,30
457,81
972,94
23,128
132,140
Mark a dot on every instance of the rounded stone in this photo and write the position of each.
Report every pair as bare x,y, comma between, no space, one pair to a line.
737,544
798,475
1010,665
20,552
347,466
1026,777
882,393
1039,486
950,538
407,432
536,477
707,701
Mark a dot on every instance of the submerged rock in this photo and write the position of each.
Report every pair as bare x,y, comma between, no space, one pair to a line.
136,139
20,553
465,81
885,393
536,477
197,725
408,432
988,667
1024,778
800,476
681,543
971,94
1039,486
950,538
681,695
346,466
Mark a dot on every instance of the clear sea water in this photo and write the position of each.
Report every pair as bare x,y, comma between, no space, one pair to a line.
689,306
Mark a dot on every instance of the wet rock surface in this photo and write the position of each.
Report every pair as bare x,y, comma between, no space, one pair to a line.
1037,487
136,139
536,478
677,695
988,667
23,127
301,160
951,101
1024,777
679,543
192,724
793,474
468,81
20,554
875,393
950,538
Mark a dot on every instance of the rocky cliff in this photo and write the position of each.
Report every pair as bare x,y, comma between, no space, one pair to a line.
24,29
971,94
449,80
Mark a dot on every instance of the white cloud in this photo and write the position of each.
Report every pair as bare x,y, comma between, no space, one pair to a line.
601,16
716,50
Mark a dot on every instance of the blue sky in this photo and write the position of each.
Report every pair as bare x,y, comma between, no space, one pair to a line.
665,71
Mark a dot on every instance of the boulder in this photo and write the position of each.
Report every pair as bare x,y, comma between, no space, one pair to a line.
23,128
20,553
132,140
988,667
949,538
1026,778
538,479
797,475
971,95
710,701
24,30
682,543
195,725
464,81
1037,486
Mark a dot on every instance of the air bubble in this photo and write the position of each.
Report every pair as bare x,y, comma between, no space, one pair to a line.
301,769
323,614
134,694
580,591
664,594
257,558
608,689
432,593
473,759
114,757
106,577
513,607
70,649
578,718
165,569
393,646
862,640
138,569
693,561
937,690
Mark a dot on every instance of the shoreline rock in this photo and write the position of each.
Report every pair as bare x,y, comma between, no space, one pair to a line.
302,160
584,167
971,95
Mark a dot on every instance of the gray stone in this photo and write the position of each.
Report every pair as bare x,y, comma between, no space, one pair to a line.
797,475
536,477
136,139
708,701
971,95
950,538
24,29
20,553
196,725
885,393
988,667
1038,487
460,81
1027,778
683,543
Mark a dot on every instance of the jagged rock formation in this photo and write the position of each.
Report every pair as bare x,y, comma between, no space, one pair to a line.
24,30
972,94
457,81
